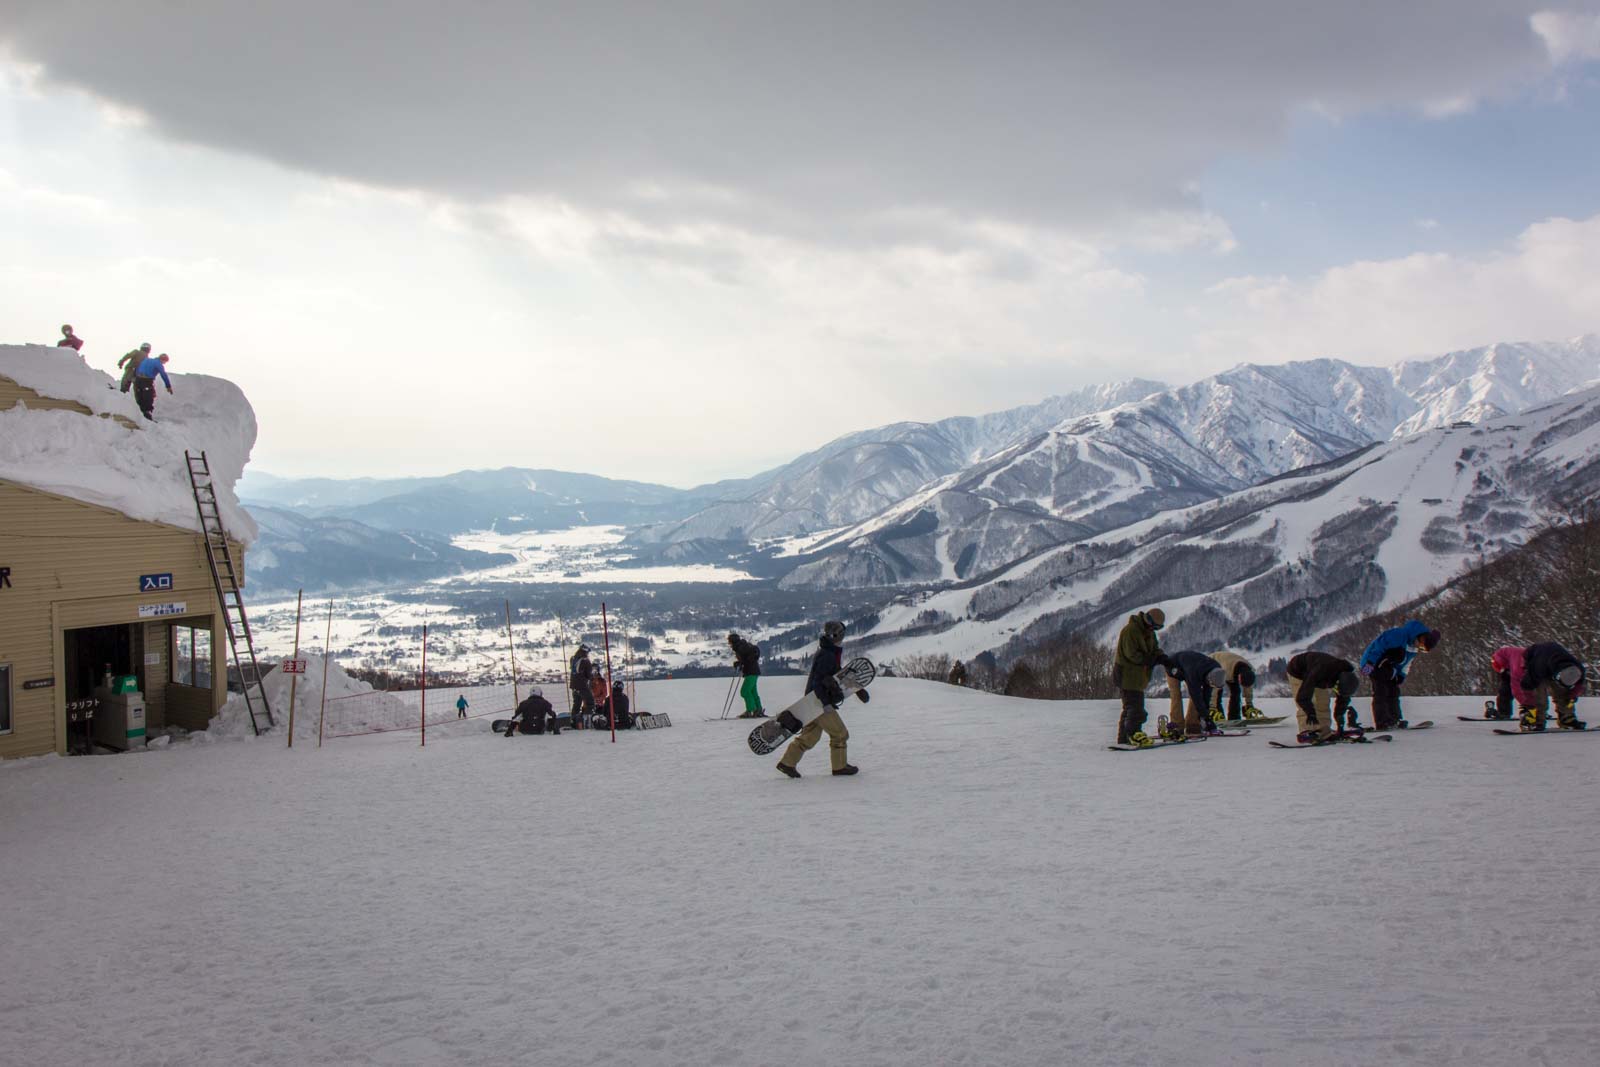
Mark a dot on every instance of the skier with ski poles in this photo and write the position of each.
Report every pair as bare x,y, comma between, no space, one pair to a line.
1200,675
1537,676
827,663
1386,662
1138,652
1241,685
1315,677
748,658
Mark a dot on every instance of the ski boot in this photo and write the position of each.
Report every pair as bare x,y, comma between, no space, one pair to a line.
848,769
1139,739
1531,722
792,772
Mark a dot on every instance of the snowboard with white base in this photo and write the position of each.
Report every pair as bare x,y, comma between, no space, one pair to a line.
765,738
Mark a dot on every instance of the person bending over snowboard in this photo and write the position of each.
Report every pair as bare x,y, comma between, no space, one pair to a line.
1200,674
1315,676
1137,652
828,662
1241,688
1538,676
1386,662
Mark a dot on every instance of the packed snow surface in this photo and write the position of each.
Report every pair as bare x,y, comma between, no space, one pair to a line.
139,471
994,888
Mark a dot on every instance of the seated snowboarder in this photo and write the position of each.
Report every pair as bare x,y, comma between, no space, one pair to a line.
1137,653
1200,675
748,658
619,701
1241,686
1548,674
70,340
1386,662
1315,676
827,662
534,715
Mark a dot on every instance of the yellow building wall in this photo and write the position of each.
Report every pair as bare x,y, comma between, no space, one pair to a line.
73,565
11,394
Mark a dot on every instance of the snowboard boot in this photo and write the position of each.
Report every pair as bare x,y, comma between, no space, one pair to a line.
848,768
1217,715
792,772
1492,711
1253,712
1401,724
1532,721
1139,739
1213,727
1567,720
1305,737
1169,731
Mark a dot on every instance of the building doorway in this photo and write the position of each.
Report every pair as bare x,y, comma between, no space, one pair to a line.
93,651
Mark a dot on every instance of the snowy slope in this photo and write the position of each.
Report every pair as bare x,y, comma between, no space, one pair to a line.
141,471
1269,567
860,474
1180,447
994,888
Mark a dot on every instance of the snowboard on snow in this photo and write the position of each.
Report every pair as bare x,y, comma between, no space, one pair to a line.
1426,724
769,734
1337,739
1485,718
1157,744
1549,729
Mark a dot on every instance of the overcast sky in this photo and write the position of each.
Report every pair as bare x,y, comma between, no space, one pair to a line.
684,241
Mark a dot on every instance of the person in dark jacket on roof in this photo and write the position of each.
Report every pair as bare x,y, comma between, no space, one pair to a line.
748,659
1552,674
70,340
1200,675
1138,652
144,384
1315,678
1386,662
828,662
130,364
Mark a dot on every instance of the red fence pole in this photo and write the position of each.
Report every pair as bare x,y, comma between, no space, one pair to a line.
611,702
424,684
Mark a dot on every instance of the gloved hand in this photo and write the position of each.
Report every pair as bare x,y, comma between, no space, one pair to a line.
1366,670
169,390
863,696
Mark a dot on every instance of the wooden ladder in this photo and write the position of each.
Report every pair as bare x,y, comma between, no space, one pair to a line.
225,577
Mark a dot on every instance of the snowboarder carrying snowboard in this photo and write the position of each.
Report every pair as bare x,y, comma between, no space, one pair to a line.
1137,652
1537,676
1386,662
828,661
1314,676
1241,686
1201,676
748,658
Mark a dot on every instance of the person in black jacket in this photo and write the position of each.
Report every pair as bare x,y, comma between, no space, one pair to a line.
1552,674
619,703
582,695
1316,676
748,658
1200,674
828,661
534,716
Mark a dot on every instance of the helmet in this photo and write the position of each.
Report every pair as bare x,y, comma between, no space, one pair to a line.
145,347
1216,677
833,630
616,685
583,650
1157,617
536,692
1569,676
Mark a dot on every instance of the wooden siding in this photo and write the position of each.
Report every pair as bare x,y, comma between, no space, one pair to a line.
11,394
74,565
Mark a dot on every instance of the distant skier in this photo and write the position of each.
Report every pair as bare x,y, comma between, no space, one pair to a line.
958,673
827,663
1200,675
1315,677
70,340
534,715
582,670
1138,652
461,706
748,658
1386,662
144,384
130,364
1241,687
1537,676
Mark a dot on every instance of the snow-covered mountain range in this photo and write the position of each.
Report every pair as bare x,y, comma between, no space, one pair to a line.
1268,567
1179,447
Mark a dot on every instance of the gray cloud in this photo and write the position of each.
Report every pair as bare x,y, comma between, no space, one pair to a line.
808,119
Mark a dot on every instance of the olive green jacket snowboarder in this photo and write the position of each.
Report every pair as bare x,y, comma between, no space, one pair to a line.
1137,652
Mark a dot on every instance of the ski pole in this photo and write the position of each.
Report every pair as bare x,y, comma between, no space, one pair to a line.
727,702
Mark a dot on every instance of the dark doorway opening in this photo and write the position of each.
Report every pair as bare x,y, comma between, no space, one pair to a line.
88,653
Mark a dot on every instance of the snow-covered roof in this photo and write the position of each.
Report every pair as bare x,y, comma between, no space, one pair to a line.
139,471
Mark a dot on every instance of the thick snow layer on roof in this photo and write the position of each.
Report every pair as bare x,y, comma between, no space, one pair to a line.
140,471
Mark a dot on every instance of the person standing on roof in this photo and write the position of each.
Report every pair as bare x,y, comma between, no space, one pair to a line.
70,340
144,383
130,364
748,659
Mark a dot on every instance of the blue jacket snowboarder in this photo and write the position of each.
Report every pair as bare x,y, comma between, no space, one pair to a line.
1386,661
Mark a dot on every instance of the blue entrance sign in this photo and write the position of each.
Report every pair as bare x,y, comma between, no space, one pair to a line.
154,583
